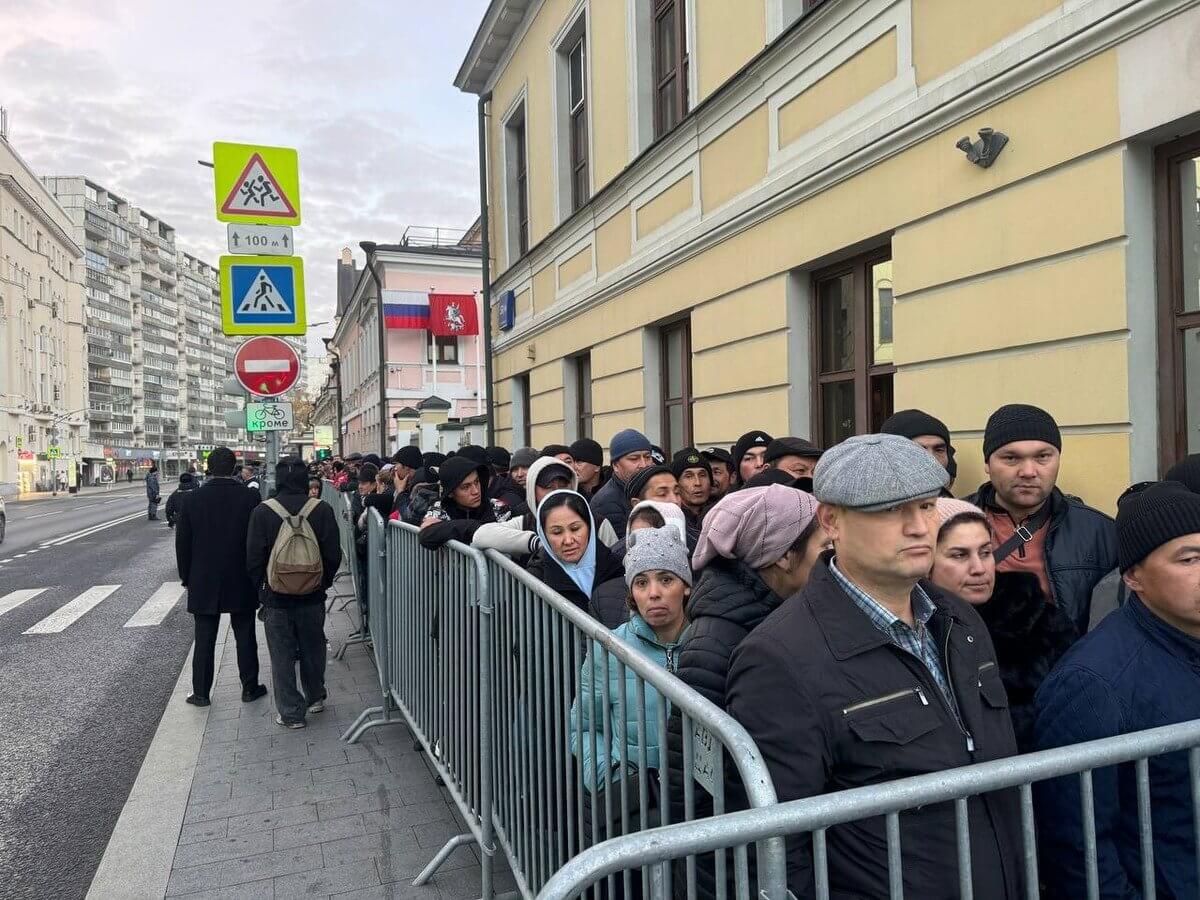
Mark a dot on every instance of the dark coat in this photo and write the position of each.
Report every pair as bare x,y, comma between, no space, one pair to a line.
729,601
508,492
175,501
1081,549
457,522
1030,635
611,505
152,492
264,529
210,548
833,704
607,602
1132,672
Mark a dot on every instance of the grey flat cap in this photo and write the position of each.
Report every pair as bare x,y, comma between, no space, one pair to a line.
874,472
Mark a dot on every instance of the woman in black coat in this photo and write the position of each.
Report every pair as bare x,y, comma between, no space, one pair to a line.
572,562
1029,632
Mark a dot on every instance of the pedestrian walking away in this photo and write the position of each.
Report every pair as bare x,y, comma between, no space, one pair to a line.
210,551
292,555
153,498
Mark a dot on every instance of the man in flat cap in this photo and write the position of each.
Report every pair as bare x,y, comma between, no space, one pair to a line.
871,673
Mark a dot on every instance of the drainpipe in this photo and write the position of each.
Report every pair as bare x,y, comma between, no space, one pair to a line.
369,249
484,99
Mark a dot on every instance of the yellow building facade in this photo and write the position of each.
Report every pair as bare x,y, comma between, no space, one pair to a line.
708,216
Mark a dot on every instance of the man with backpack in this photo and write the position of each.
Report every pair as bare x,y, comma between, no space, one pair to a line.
293,554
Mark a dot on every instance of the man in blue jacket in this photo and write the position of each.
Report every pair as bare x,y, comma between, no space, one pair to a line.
1138,669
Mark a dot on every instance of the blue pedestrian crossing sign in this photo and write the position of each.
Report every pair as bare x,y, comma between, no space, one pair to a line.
262,295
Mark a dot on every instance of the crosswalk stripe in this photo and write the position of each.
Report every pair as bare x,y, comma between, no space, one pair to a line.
155,609
66,615
12,600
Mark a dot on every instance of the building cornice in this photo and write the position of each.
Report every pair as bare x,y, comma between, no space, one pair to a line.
11,184
1083,29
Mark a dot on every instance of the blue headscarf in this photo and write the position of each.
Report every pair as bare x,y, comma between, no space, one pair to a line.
583,573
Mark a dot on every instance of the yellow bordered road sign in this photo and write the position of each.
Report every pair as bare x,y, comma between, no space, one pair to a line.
262,295
256,184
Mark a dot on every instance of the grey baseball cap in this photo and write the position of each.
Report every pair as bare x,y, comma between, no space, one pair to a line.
874,472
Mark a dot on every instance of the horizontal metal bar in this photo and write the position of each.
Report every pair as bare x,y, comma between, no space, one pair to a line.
812,813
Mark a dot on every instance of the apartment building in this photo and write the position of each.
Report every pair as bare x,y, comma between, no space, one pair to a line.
420,367
802,215
156,356
42,388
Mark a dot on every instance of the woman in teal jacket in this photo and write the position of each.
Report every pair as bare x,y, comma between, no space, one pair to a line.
659,577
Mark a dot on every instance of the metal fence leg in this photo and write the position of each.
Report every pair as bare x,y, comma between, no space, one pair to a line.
442,855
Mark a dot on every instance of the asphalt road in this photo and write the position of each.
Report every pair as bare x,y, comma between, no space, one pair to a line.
81,690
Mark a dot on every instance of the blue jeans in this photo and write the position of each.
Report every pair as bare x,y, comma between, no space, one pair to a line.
296,633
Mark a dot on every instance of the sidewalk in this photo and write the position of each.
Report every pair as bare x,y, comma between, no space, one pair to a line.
93,490
279,813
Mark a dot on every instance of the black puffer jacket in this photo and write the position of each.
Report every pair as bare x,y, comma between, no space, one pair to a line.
607,602
609,504
729,601
1081,549
1030,635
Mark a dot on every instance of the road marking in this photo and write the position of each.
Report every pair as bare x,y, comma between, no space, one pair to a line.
66,539
38,516
12,600
155,609
66,615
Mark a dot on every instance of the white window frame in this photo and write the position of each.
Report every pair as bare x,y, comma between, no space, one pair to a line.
639,25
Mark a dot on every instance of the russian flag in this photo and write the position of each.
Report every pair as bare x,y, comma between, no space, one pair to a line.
405,309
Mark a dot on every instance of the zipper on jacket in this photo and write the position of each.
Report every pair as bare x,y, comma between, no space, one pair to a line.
953,699
886,698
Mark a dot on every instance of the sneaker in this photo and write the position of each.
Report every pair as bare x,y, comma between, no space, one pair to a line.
250,694
197,701
292,725
317,707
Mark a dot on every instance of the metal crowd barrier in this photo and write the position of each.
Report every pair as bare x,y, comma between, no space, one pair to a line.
816,815
548,805
374,629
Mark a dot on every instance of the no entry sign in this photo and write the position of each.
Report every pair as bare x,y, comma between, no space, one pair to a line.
266,366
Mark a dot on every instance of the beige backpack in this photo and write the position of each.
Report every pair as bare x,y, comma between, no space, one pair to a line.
295,565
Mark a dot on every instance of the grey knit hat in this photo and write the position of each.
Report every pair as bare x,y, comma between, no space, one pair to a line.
523,458
874,472
656,549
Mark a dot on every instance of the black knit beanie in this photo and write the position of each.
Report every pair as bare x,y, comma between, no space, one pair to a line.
689,458
555,449
1019,422
912,423
1186,472
409,456
745,442
588,451
638,481
1152,516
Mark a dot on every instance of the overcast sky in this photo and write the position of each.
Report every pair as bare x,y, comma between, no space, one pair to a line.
132,92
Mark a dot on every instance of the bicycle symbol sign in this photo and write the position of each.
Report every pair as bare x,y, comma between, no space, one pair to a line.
270,416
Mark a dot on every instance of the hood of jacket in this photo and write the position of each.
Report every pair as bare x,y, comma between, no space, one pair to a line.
638,626
582,573
454,472
729,589
531,477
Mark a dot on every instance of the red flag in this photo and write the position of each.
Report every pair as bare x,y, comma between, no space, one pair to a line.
453,315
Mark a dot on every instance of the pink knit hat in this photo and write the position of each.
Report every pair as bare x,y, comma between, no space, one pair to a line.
754,525
949,507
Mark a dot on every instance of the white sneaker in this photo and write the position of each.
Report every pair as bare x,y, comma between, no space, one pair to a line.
292,725
317,707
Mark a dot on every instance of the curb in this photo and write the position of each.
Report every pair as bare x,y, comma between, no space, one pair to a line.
137,861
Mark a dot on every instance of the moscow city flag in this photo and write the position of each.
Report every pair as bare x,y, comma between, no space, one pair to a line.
453,315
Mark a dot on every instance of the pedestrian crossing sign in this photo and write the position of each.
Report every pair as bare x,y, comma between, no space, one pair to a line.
262,295
256,184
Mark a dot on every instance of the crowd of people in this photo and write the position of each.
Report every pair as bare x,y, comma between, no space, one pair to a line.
863,623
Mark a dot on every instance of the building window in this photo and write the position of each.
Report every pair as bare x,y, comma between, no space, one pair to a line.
520,411
447,349
676,350
517,166
1178,185
583,391
577,113
854,349
670,64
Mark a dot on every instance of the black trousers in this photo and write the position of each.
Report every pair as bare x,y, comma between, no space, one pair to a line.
206,645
